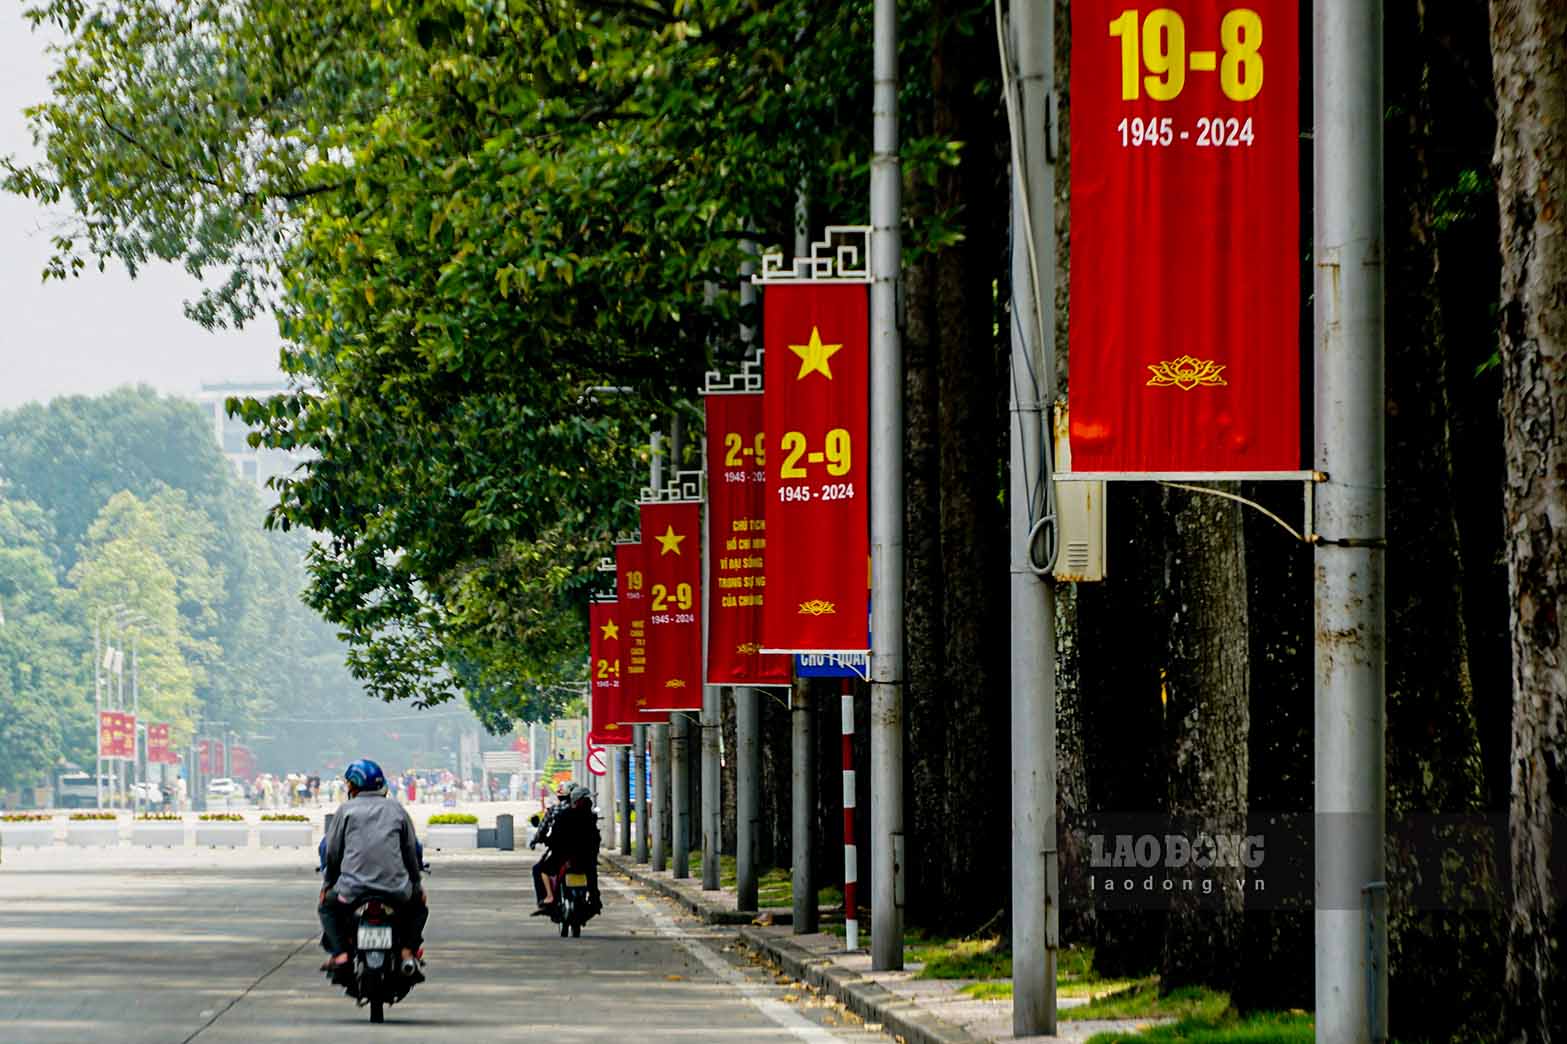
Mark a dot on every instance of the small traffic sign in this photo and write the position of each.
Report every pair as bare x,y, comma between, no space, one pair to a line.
598,760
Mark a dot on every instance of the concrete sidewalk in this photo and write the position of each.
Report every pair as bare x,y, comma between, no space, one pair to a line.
920,1011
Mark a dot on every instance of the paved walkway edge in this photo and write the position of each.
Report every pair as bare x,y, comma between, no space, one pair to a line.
869,1000
708,911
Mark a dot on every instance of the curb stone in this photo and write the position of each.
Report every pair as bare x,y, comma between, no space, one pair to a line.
866,998
870,1000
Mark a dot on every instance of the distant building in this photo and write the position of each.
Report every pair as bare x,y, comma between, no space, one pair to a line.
250,465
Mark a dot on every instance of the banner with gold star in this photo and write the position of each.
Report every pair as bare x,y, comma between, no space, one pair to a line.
737,524
606,662
1186,253
817,380
631,596
672,575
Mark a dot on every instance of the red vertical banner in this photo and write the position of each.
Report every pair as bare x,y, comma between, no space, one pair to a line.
672,561
817,380
244,762
117,735
204,757
631,596
1186,251
606,662
737,526
158,751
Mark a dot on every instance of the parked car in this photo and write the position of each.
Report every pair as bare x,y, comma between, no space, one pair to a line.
224,788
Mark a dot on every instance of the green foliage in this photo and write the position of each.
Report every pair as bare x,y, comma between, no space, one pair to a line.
160,817
1264,1028
25,817
1143,1000
93,817
453,819
277,817
221,817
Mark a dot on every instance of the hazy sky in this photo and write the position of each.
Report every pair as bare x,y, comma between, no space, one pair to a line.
91,334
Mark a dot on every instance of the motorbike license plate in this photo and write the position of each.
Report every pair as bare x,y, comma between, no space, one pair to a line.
375,937
576,880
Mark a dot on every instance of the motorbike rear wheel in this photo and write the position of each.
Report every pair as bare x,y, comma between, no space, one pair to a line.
576,931
377,1010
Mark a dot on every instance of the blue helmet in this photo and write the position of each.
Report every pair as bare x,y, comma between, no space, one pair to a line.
365,774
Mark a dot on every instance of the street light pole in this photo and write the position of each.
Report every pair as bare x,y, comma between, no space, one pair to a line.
1351,518
886,504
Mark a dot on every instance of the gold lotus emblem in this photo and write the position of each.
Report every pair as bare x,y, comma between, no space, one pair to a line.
817,607
675,683
1186,373
748,649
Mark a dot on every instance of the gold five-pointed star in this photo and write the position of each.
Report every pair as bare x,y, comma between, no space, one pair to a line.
668,541
814,356
610,631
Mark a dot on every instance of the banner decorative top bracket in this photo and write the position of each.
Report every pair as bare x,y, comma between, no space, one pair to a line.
683,485
747,379
843,257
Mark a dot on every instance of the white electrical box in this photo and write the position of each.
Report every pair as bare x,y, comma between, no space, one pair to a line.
1080,514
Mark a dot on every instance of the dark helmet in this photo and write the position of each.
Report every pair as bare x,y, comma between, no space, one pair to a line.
365,774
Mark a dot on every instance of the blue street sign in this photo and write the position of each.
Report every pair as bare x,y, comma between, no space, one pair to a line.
832,665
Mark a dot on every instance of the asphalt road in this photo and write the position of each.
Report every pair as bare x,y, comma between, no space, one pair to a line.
206,945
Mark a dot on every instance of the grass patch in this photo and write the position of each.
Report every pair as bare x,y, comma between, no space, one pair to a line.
774,888
960,958
1229,1028
1142,1000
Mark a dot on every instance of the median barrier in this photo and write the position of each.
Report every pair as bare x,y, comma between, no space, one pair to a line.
158,833
36,834
93,833
286,835
222,834
452,837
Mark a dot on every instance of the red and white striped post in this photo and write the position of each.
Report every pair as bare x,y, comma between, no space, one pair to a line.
851,855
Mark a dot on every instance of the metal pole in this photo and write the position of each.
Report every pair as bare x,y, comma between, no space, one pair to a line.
886,507
851,850
658,817
680,784
803,820
712,710
639,788
748,794
712,804
1351,518
1035,898
97,691
136,772
623,781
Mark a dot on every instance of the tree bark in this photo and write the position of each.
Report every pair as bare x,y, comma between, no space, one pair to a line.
1207,721
971,428
1529,52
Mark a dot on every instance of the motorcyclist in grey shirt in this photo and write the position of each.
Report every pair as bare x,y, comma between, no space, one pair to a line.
371,853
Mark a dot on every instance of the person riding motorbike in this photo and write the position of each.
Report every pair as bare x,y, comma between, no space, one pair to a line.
574,843
563,799
371,853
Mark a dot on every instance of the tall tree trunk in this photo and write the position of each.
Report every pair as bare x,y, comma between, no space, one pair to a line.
1529,51
728,810
1439,942
1122,718
925,708
1072,795
1207,720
